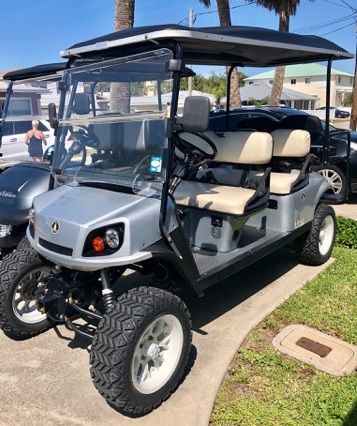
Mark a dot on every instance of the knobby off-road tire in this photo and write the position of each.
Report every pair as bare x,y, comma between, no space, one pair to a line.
140,350
315,247
20,274
24,243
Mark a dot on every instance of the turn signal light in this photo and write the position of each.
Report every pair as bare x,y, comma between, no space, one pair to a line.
98,244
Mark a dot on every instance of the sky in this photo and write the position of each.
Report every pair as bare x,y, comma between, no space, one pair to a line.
35,31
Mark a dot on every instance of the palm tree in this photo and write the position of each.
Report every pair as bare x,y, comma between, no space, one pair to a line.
285,9
123,19
224,14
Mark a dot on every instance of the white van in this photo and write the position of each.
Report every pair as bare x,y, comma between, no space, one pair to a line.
13,136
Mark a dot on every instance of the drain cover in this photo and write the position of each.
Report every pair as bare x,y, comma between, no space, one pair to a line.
325,352
315,347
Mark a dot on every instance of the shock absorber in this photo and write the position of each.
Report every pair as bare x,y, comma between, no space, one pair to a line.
107,292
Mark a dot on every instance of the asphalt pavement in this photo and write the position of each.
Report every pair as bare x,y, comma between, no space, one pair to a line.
45,380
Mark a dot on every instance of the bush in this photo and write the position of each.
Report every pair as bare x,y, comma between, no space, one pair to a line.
346,232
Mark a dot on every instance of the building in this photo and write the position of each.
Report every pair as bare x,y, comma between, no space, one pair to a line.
311,80
27,99
259,91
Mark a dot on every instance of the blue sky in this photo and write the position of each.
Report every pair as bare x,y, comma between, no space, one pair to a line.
35,31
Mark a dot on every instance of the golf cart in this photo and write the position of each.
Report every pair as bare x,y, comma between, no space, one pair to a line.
155,193
20,182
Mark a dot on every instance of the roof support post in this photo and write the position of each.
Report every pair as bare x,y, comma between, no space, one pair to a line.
169,154
9,92
327,112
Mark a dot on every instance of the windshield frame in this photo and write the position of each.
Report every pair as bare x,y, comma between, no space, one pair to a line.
145,122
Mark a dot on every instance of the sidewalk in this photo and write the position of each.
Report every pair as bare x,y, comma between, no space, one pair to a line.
348,209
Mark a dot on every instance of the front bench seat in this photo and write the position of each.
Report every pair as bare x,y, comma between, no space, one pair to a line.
237,148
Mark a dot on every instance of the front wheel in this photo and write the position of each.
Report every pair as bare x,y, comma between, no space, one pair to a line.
22,270
315,247
141,349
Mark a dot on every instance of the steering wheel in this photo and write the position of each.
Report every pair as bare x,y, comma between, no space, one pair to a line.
82,138
138,184
193,151
86,137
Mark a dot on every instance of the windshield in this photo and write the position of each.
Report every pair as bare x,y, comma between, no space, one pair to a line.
112,124
25,103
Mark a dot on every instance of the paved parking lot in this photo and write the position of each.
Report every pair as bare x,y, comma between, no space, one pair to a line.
46,381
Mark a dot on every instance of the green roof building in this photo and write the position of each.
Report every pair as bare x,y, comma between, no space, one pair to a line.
311,80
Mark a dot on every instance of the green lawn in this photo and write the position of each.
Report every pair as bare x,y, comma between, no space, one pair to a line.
266,388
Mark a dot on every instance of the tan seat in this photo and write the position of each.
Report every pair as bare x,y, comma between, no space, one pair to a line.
223,199
244,148
290,143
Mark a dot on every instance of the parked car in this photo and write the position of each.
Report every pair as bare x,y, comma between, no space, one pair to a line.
271,118
13,135
338,113
236,116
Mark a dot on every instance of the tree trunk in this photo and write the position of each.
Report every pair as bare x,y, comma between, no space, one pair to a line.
224,14
235,100
123,19
277,88
124,14
279,71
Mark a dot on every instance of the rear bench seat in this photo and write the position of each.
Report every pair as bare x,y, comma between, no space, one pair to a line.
292,146
244,148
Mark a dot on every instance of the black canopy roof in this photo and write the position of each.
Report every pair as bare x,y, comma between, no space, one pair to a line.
244,46
36,71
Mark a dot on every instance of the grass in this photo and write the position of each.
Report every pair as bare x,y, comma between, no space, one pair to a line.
266,388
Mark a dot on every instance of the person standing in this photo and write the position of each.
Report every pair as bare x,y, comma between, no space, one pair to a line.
34,139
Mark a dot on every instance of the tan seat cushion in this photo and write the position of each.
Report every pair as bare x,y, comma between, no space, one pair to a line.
223,199
280,183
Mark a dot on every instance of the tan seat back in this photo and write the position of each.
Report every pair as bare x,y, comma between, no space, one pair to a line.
291,143
242,147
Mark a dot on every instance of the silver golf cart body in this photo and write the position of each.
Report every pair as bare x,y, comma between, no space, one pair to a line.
79,217
157,192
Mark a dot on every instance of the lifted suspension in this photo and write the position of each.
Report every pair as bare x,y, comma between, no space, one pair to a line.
107,292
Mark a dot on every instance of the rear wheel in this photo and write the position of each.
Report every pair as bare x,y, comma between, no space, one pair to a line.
22,270
315,247
141,349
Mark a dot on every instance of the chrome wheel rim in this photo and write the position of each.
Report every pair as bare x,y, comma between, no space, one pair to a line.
333,178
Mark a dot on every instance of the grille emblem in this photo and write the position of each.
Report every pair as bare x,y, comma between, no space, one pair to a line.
55,226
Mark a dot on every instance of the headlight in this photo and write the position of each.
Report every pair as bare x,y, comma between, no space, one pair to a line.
112,238
354,146
104,241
